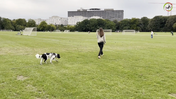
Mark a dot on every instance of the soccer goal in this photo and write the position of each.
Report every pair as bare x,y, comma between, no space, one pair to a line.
31,31
66,31
106,31
128,31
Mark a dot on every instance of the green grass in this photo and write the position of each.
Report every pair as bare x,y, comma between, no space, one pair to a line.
133,66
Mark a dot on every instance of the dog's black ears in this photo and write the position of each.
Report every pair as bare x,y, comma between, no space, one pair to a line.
58,56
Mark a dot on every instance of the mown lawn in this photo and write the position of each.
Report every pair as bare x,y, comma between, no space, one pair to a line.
133,66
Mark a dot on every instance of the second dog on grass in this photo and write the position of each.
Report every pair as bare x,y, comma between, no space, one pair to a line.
45,56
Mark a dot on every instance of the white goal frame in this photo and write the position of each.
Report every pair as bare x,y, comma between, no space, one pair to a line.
106,31
129,31
30,31
66,31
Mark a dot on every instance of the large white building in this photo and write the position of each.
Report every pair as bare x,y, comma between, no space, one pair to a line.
110,14
73,20
82,14
38,21
55,20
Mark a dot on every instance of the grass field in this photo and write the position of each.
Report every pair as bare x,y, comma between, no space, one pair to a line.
133,66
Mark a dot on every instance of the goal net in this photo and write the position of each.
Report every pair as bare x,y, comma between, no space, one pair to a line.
106,31
128,31
66,31
31,31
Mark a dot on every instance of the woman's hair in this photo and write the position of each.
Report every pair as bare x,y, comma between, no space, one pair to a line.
101,32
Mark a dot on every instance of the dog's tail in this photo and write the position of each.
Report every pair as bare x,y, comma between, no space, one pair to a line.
38,56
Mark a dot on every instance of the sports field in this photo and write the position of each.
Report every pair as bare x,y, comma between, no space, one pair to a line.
134,66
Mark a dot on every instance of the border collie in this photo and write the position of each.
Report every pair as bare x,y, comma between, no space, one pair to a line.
45,56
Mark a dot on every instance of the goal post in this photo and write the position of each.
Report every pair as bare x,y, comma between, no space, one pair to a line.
66,31
129,31
106,31
31,31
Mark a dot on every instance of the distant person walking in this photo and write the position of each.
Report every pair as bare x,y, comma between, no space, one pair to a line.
101,39
151,34
172,33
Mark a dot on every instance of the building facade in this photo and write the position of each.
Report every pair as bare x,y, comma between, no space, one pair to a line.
109,14
55,20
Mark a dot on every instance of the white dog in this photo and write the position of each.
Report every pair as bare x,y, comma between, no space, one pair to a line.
45,56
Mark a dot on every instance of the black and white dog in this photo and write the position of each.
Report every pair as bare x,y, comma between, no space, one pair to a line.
45,56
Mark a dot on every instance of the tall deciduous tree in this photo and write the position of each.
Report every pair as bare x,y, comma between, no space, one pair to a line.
21,22
42,26
0,23
144,24
31,23
124,24
51,27
116,24
174,27
157,23
170,22
7,24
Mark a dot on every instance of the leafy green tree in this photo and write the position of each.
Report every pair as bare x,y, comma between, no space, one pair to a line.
71,28
135,24
144,24
170,22
124,24
31,23
61,27
0,23
21,22
93,25
51,27
117,24
42,26
86,25
110,25
101,23
174,27
19,27
7,24
157,23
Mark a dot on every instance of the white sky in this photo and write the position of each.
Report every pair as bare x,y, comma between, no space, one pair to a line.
14,9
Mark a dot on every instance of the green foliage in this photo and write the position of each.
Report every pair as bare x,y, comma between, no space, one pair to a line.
170,22
116,24
144,25
51,27
94,24
19,27
135,24
19,24
124,24
110,25
31,23
174,26
157,23
43,26
7,24
71,28
61,27
0,23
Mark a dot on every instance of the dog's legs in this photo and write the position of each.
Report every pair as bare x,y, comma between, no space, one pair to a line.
41,61
45,61
53,57
56,60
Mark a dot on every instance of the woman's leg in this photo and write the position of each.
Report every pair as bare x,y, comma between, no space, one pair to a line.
101,48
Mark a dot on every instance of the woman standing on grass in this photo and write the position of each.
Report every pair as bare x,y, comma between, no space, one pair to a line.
151,34
101,41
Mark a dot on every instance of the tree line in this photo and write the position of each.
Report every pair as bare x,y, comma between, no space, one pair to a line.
144,24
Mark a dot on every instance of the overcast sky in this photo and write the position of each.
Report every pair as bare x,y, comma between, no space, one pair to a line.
33,9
